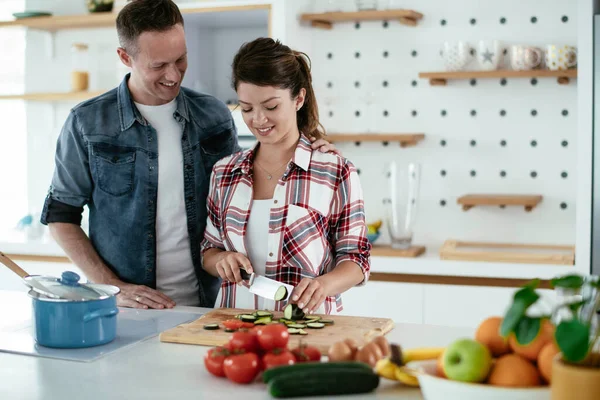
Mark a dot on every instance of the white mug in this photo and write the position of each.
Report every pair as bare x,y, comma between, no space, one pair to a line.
560,57
456,55
489,54
525,57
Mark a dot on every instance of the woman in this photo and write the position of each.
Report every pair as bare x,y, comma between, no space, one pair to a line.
281,209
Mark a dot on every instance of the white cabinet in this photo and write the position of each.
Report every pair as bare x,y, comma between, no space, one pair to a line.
402,302
467,306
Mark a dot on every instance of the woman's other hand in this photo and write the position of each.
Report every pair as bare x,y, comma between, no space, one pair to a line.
309,294
229,265
324,146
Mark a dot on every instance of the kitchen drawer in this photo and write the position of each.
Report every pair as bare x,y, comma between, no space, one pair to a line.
467,306
402,302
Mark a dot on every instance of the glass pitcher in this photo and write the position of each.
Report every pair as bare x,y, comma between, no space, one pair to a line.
401,206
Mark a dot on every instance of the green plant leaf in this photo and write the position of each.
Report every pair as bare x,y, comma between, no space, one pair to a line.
533,284
527,329
576,306
569,282
573,339
522,300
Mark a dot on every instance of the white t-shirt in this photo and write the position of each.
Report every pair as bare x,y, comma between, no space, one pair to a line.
175,275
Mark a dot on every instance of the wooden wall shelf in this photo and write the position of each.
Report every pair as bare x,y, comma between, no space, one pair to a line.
404,139
388,251
66,96
103,20
441,78
471,200
508,252
326,20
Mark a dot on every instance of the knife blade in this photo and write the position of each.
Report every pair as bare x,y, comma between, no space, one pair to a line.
266,287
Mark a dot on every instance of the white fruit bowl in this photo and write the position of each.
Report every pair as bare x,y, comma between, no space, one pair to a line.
435,388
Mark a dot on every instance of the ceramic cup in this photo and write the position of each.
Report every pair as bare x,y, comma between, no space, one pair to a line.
489,54
525,57
560,57
456,55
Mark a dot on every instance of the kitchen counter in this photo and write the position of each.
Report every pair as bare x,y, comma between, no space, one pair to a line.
154,370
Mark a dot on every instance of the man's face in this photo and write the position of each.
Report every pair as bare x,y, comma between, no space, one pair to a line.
158,66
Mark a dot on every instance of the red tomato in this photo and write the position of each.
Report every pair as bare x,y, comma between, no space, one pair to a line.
305,353
241,368
278,357
273,336
233,324
244,340
214,359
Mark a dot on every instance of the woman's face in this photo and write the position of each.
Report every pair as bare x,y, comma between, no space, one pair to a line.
269,112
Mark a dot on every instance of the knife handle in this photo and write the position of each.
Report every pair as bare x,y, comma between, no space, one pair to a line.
245,275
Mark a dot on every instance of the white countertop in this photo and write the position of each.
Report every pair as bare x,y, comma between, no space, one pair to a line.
154,370
427,264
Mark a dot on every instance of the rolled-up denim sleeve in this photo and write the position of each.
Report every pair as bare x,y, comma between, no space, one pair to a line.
71,182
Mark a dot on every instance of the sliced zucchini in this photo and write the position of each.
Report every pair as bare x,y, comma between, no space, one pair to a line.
297,326
302,332
313,318
294,331
230,330
281,293
326,321
262,313
315,325
211,327
248,318
263,321
293,312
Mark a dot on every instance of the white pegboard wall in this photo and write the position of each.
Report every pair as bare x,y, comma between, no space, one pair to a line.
483,136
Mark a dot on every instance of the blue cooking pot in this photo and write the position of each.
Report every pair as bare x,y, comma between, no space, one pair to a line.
67,314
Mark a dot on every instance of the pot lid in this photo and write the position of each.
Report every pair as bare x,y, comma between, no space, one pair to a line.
66,287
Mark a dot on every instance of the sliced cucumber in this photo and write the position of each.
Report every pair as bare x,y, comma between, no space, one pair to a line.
293,312
315,325
281,293
302,332
294,331
262,313
229,330
326,321
263,321
297,326
248,318
211,327
313,318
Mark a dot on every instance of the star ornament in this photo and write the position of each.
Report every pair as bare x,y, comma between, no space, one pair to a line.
487,56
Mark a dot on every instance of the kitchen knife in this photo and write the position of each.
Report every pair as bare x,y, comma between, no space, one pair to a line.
266,287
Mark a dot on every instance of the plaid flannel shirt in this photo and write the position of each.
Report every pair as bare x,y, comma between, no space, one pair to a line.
317,219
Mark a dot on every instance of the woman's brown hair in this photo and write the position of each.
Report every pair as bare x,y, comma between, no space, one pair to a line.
267,62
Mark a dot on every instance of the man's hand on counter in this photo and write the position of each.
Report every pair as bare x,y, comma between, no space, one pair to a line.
139,296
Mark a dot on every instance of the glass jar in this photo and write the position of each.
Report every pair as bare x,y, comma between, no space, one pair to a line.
79,67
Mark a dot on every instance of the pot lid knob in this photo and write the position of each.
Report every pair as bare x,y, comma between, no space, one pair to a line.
70,278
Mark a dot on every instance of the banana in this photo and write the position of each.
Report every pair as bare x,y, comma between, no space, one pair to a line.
421,353
386,369
402,375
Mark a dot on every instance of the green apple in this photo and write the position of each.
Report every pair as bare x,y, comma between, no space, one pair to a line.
467,360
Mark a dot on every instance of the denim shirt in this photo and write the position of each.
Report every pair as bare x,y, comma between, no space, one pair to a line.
107,158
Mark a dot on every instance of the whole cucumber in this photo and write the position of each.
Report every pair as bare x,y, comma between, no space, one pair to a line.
327,382
274,372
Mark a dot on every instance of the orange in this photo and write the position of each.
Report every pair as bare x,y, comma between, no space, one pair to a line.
532,350
544,361
439,366
488,333
514,371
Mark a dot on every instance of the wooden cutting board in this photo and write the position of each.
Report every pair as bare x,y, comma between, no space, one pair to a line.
361,329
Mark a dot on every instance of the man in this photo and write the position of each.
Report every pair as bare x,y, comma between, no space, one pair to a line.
140,156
